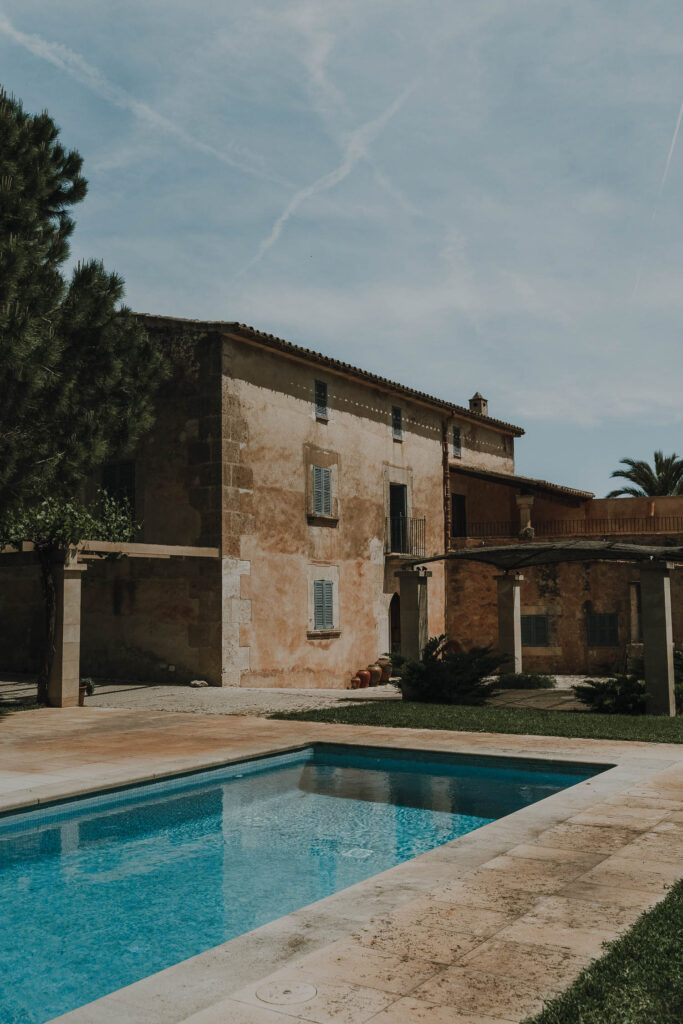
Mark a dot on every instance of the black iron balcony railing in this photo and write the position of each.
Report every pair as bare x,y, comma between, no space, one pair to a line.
405,536
580,527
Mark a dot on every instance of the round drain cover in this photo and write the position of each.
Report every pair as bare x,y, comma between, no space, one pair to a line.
282,993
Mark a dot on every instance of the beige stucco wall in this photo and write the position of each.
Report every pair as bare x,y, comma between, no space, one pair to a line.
282,549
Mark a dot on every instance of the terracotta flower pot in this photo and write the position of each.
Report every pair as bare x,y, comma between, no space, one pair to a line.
364,677
385,666
375,674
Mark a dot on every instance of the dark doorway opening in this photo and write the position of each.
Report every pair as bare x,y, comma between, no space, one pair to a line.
395,625
398,511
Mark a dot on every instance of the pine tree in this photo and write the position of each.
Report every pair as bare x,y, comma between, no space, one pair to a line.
78,372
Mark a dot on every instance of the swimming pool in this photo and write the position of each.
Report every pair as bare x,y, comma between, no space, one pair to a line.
96,893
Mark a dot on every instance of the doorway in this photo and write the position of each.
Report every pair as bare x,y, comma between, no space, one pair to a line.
395,625
398,511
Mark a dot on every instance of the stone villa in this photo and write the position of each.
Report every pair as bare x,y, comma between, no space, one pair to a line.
315,481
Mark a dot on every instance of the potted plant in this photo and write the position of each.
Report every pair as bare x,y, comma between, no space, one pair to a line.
86,686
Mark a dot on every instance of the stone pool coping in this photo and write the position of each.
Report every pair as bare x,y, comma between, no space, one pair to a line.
479,931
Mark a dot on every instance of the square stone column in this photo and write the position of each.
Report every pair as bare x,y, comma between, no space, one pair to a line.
414,611
64,679
525,503
658,655
510,620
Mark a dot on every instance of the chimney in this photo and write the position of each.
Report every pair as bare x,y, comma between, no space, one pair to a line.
479,404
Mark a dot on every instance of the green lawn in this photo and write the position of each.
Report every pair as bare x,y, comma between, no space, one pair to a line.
525,721
638,981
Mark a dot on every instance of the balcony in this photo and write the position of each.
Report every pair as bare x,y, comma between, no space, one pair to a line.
405,536
622,526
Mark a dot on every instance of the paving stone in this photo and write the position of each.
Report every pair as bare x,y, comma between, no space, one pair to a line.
348,960
587,838
413,940
467,990
416,1011
331,1003
544,967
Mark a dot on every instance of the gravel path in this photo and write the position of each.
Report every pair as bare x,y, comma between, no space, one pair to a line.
233,700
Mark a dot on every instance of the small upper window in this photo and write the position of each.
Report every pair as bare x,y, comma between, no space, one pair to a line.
322,491
535,630
396,423
323,604
603,629
457,442
321,400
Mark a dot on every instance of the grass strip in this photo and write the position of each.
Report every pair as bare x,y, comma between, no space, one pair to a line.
639,980
522,721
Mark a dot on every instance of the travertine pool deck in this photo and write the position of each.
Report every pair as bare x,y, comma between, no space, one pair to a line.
479,931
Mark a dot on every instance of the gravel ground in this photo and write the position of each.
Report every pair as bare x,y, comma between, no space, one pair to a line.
232,700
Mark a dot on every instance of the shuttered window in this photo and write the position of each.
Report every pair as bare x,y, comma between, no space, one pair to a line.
323,604
396,423
321,399
322,491
457,442
535,630
603,629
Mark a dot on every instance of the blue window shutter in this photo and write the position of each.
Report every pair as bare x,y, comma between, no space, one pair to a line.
327,492
328,607
321,399
457,442
323,604
318,604
322,491
317,490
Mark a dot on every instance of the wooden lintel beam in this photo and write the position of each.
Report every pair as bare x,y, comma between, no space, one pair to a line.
147,550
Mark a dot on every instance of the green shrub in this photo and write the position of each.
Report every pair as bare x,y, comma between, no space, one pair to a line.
89,685
678,679
446,676
525,681
623,695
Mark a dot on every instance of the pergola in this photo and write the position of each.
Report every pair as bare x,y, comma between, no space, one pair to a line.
655,563
64,680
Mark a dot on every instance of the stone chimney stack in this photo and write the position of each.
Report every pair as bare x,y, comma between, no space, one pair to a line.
479,404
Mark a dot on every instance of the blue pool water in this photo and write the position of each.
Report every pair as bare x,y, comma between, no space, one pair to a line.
99,892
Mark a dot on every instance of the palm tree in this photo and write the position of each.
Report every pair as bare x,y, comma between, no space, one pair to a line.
665,479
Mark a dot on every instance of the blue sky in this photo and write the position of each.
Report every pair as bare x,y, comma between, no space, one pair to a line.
458,194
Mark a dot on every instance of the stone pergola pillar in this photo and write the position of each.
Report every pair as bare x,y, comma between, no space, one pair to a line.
414,611
655,596
64,679
525,503
510,620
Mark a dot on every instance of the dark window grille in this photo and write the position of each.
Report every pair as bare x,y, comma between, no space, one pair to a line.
322,491
603,629
321,399
457,442
323,604
458,515
535,630
118,480
396,423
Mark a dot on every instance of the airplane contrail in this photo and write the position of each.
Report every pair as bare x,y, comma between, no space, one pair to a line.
355,150
77,67
671,150
655,205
